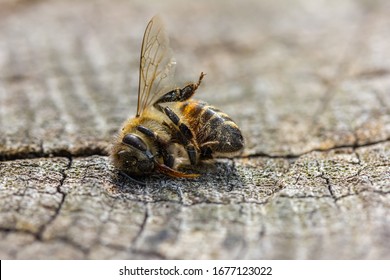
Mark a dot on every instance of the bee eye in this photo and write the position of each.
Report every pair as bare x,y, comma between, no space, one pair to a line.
134,141
127,158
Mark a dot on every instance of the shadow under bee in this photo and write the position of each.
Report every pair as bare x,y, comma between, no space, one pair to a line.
221,177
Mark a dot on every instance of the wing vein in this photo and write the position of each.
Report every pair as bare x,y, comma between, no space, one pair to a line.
156,65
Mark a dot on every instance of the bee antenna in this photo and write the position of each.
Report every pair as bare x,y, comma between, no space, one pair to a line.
131,178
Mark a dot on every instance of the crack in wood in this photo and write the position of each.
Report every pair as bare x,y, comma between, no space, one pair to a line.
142,226
148,254
99,151
42,229
82,152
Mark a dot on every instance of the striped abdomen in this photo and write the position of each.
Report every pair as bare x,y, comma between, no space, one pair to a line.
211,128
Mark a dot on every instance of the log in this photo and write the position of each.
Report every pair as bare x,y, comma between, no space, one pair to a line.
308,84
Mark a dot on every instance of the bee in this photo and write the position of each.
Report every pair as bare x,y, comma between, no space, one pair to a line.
170,129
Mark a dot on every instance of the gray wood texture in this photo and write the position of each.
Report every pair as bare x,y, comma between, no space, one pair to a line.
307,81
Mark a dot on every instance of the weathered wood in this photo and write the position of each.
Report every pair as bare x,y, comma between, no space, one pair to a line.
307,82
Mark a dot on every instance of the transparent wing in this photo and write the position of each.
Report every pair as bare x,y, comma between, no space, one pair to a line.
156,65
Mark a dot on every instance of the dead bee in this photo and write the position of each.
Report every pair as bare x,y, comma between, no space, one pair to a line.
170,128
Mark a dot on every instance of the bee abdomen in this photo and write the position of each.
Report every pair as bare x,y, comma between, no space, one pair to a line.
209,125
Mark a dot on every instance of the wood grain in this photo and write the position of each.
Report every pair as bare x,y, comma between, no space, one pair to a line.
308,83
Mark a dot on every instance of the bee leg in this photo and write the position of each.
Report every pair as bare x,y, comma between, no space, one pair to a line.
179,94
184,130
206,153
168,159
207,149
191,154
185,133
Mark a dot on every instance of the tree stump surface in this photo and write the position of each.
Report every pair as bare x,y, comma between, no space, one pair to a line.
308,82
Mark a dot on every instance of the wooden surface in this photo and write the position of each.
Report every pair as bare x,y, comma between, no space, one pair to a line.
307,81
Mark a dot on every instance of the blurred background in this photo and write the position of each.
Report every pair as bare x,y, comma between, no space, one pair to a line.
296,75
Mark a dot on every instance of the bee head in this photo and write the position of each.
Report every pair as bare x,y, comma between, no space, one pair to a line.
133,156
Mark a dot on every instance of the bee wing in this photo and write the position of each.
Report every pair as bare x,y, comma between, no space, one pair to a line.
157,66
